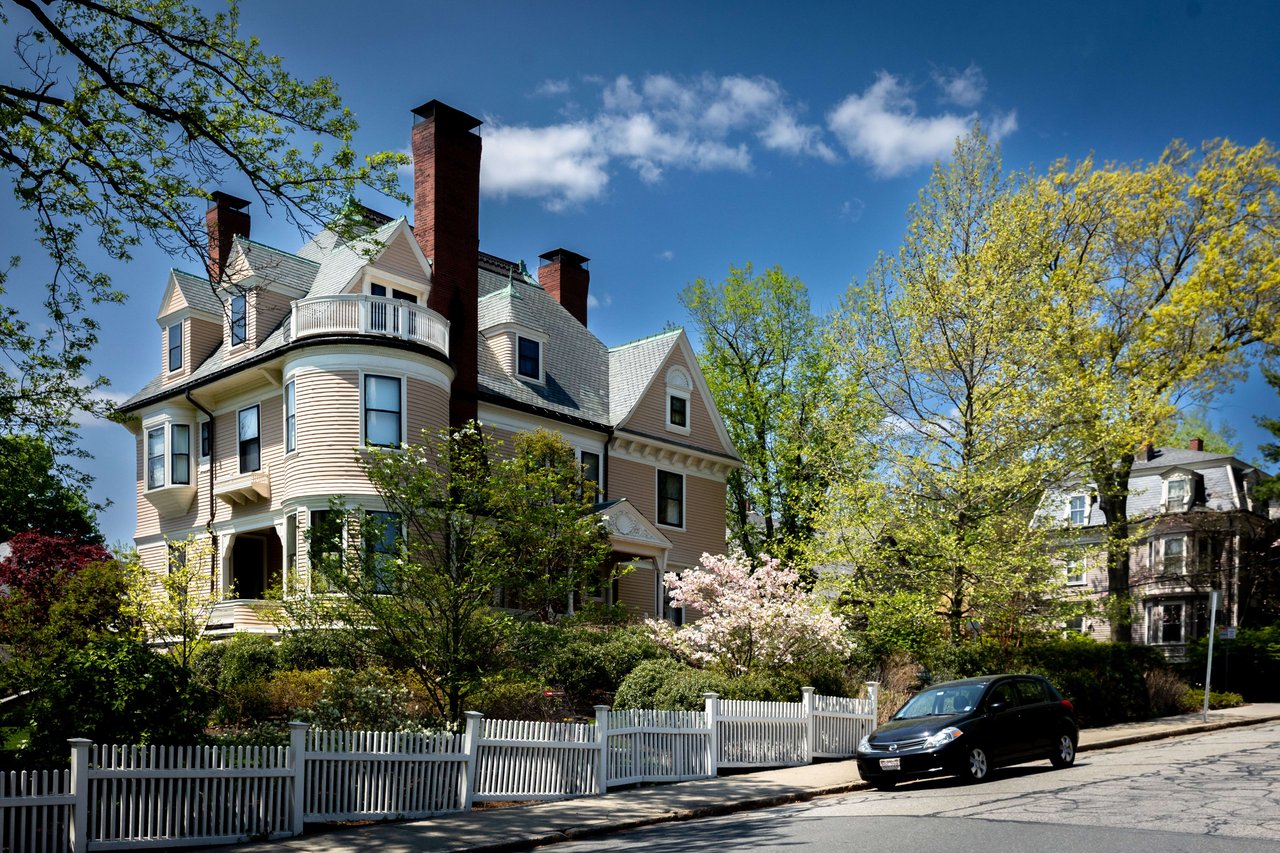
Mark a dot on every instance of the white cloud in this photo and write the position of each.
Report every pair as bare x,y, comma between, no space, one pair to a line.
666,255
552,88
881,127
593,302
852,210
652,126
561,163
963,88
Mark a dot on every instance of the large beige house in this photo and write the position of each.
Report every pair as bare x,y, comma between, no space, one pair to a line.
274,376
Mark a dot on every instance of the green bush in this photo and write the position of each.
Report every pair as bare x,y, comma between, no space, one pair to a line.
640,688
1193,700
684,690
590,664
1250,663
367,700
317,649
519,699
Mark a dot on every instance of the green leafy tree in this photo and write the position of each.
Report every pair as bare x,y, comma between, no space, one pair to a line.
1270,489
174,609
1196,422
34,497
118,119
770,369
946,337
476,524
1168,273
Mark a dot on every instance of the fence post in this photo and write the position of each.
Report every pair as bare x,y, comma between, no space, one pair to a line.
298,764
873,693
810,724
713,740
602,757
79,840
470,747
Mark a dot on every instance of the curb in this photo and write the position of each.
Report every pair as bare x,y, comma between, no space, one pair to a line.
587,832
1197,728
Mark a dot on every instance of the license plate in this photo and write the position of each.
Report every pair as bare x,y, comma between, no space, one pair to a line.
889,763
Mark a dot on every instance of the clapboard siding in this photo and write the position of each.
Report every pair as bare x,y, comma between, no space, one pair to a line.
703,510
427,410
400,259
328,434
650,413
202,339
637,591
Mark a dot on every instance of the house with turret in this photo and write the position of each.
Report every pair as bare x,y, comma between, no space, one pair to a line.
276,366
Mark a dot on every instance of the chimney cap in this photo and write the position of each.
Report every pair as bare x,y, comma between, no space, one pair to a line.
564,255
219,199
436,109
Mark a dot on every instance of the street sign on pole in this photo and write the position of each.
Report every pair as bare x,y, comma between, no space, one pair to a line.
1208,667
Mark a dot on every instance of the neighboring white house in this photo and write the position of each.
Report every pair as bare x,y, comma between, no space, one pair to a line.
1196,527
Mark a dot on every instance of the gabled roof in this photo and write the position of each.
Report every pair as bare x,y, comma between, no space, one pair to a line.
632,368
195,290
345,260
276,266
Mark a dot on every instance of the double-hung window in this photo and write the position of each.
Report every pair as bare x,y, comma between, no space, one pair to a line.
204,439
1078,509
677,411
290,418
1174,556
382,537
180,449
591,474
670,499
155,458
239,320
175,347
250,437
1075,572
1177,492
382,409
529,358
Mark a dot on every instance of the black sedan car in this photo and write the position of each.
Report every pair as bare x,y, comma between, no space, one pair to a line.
966,728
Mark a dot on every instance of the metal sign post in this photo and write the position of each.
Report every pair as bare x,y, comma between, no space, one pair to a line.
1208,667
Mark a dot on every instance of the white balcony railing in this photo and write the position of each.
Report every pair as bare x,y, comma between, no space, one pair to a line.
359,314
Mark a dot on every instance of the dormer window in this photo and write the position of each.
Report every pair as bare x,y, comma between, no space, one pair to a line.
239,320
529,358
1178,490
679,387
175,347
1078,510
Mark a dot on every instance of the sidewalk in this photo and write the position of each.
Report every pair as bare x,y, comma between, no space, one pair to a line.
493,830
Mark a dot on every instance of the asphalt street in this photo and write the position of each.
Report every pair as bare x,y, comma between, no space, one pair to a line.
1218,791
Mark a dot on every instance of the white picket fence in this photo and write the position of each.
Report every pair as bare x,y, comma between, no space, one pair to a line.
132,797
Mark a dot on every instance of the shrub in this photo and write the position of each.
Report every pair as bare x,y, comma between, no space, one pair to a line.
1193,700
1166,692
1250,663
370,699
292,693
318,649
590,664
684,690
520,699
640,688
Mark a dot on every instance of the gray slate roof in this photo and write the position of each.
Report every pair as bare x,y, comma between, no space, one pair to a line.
631,369
197,291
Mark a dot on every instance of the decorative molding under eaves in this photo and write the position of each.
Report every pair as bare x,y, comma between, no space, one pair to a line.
670,458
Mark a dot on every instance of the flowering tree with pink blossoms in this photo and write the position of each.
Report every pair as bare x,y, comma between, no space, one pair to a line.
749,620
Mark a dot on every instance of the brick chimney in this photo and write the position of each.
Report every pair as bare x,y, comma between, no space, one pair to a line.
1145,452
226,217
1197,444
446,222
566,278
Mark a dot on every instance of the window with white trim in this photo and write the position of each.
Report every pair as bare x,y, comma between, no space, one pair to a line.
290,418
1175,555
679,388
670,499
1178,491
249,437
239,319
205,426
175,347
1075,569
1078,509
155,458
590,463
180,453
529,358
383,407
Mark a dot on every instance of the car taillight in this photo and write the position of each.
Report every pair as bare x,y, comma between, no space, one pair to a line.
1066,703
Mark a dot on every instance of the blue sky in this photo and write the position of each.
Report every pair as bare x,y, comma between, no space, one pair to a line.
666,141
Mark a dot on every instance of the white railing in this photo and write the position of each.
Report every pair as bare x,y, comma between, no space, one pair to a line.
360,314
126,797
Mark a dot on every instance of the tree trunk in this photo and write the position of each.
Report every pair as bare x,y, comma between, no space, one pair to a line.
1113,501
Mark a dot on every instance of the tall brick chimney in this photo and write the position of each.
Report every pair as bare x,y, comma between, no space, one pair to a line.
226,217
565,277
446,222
1197,443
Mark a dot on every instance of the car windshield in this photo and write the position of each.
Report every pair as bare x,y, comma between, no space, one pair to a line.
941,702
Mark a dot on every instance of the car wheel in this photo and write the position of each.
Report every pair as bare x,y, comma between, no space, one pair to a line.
977,765
1064,752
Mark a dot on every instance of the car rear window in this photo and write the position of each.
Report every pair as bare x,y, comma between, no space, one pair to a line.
1032,692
